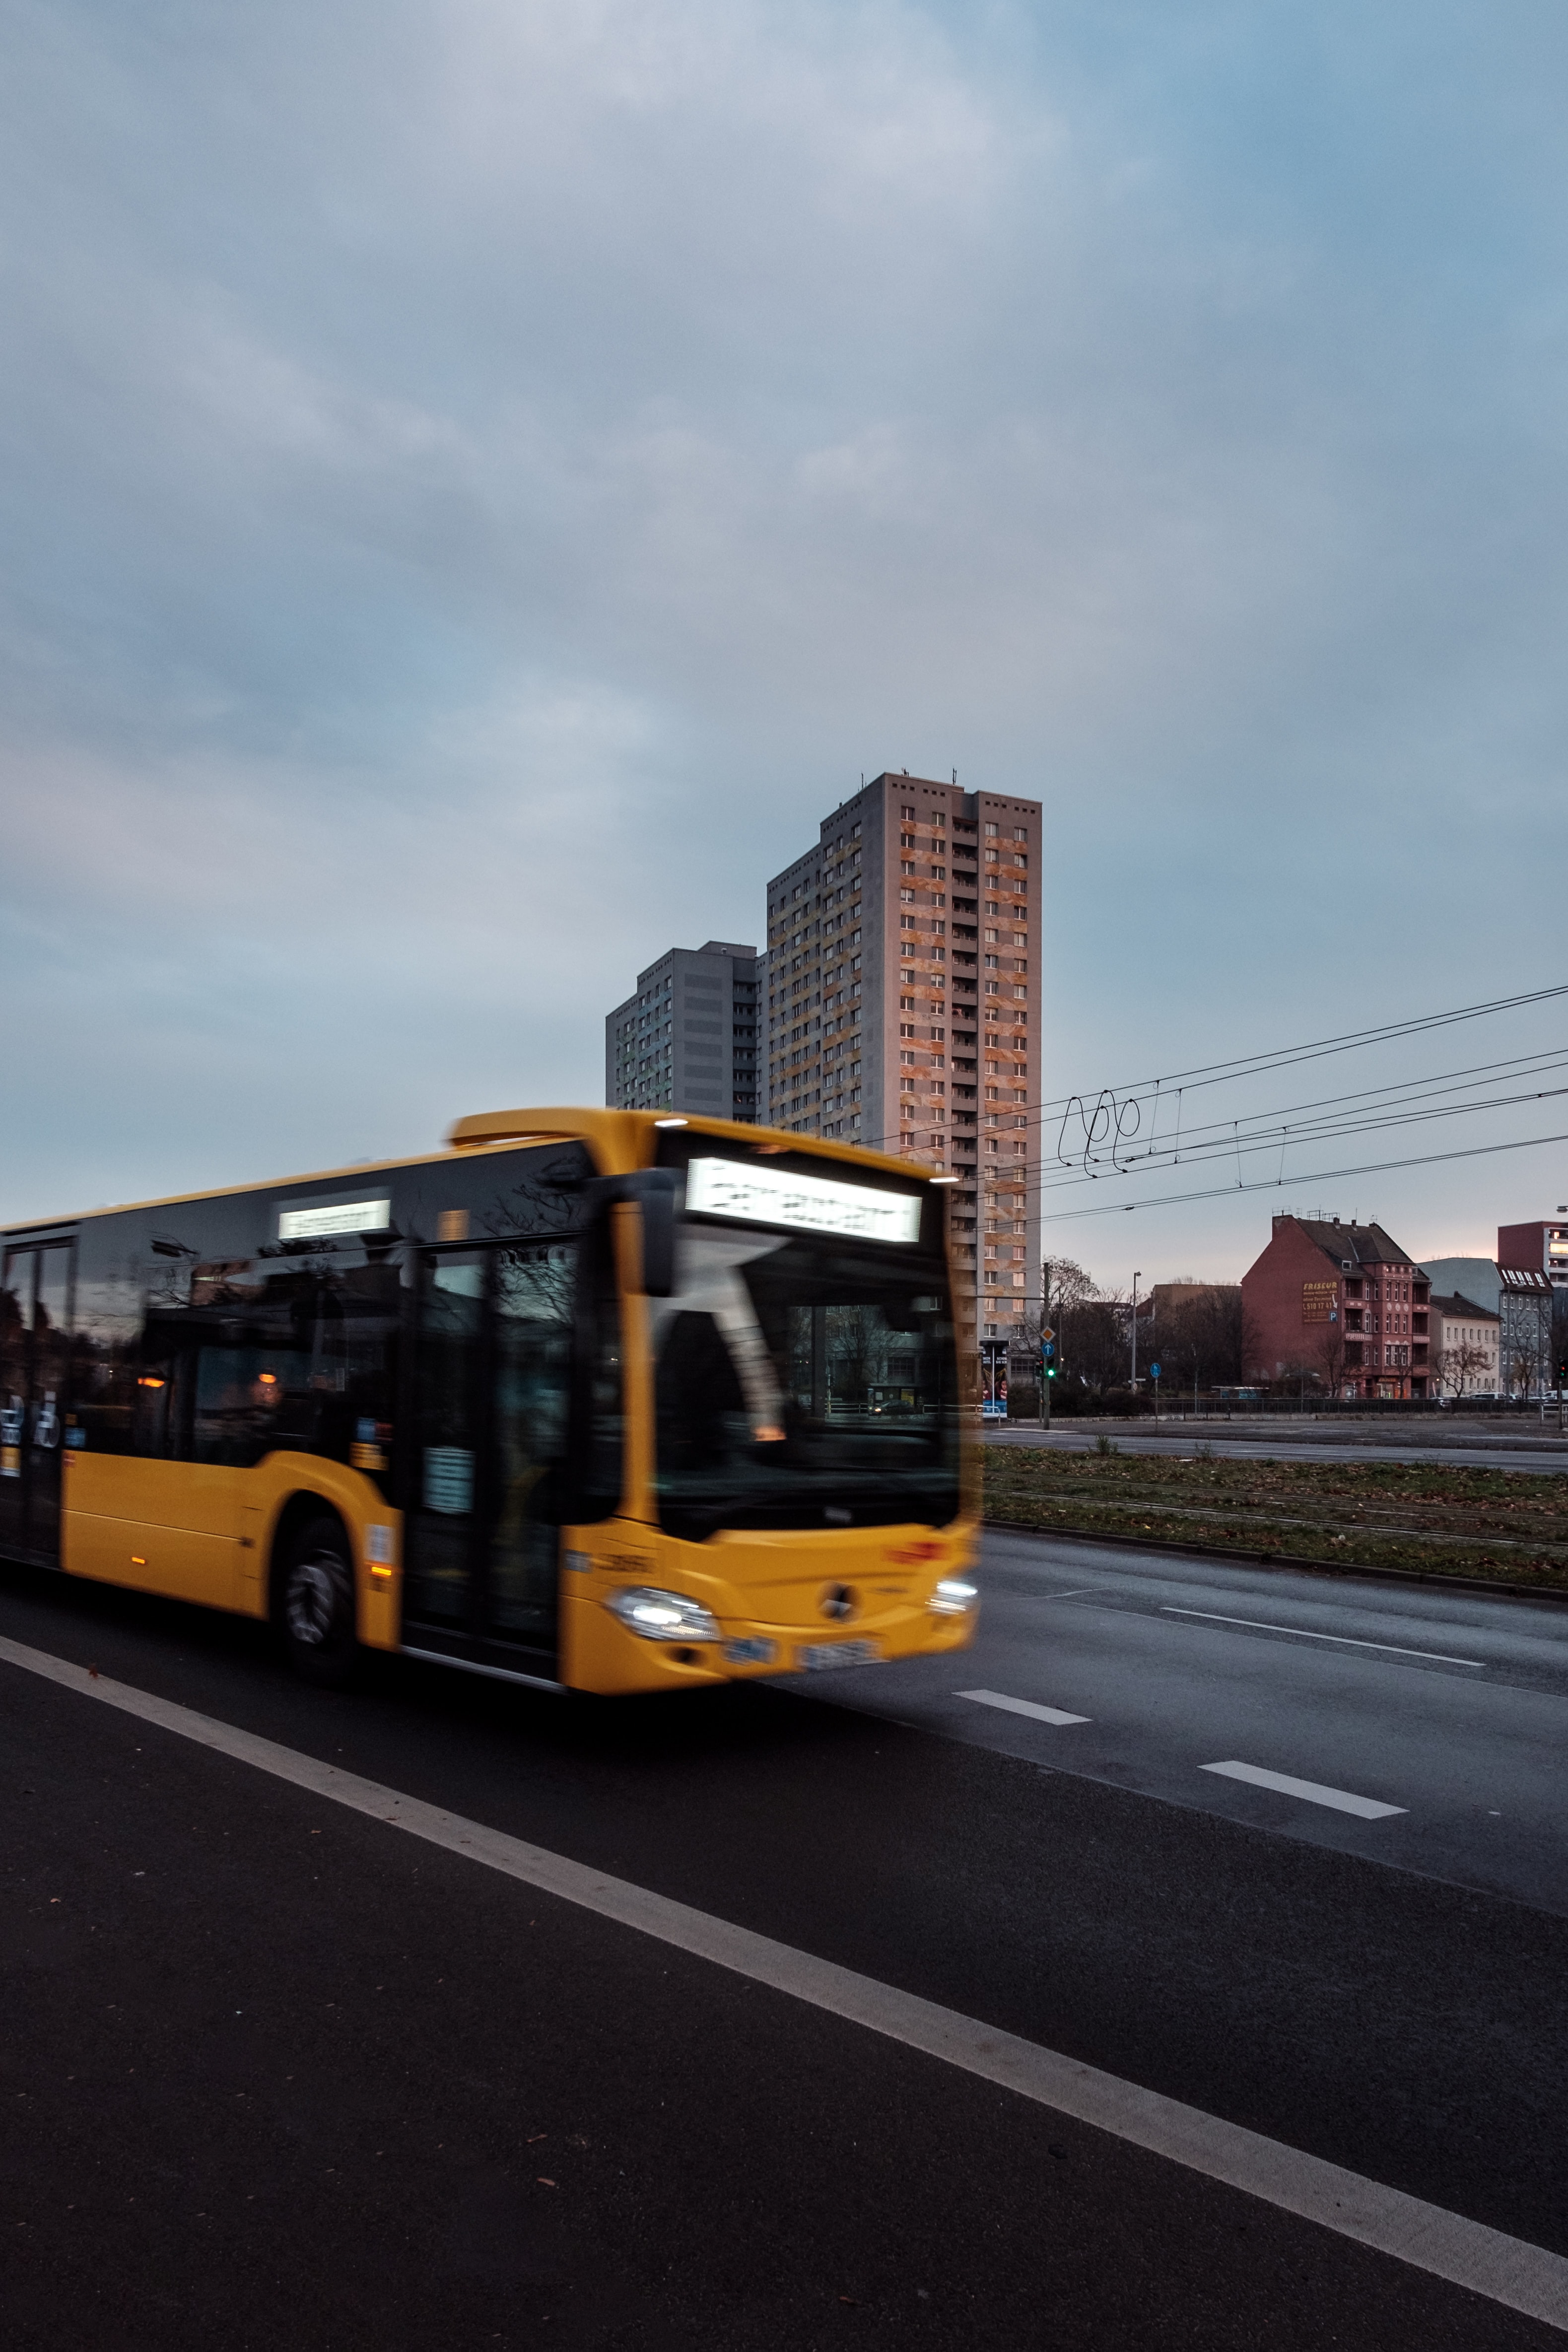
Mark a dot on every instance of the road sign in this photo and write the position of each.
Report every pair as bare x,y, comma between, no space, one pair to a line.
1153,1371
1047,1333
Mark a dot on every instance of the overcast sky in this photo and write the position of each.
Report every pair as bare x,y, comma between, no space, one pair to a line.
480,480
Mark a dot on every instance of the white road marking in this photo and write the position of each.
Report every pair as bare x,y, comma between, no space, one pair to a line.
1263,1625
1367,1808
1508,2271
1028,1706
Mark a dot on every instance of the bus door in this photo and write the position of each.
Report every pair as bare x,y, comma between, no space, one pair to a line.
492,1384
35,1358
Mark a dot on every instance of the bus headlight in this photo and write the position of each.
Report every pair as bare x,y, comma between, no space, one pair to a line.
663,1616
954,1598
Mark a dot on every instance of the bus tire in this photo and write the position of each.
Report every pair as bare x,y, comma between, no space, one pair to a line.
316,1605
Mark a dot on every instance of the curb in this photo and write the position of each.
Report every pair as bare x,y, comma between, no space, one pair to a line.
1558,1594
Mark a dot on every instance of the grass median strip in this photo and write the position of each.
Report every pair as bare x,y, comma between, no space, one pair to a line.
1432,1517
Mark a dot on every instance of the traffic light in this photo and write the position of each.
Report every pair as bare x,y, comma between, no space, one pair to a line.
1562,1371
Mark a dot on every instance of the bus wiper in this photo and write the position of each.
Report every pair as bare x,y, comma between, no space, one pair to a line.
736,1317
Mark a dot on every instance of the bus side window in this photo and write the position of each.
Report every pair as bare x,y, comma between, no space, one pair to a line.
155,1418
354,1367
305,1367
243,1396
599,1408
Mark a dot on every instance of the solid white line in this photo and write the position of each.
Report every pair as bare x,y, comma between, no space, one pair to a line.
1021,1706
1262,1625
1340,1801
1509,2271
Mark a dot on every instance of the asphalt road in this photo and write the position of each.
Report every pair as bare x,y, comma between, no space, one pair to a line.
275,2075
1514,1453
1451,1707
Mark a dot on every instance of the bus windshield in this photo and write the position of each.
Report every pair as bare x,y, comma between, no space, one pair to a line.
803,1381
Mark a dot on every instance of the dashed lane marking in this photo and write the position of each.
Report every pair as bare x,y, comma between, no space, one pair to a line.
1031,1708
1339,1801
1508,2271
1299,1633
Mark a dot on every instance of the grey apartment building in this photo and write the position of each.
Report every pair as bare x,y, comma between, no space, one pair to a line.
687,1041
902,1008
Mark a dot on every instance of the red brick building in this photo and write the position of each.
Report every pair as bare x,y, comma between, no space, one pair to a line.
1340,1305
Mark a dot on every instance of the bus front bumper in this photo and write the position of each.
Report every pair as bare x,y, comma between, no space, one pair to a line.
750,1604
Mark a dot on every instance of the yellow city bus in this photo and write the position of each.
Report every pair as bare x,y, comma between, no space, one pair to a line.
596,1400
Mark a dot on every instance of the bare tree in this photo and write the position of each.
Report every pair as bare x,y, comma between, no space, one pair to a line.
1332,1357
1454,1368
1090,1328
1205,1336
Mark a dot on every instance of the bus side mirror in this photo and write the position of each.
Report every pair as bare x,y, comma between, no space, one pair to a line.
656,1192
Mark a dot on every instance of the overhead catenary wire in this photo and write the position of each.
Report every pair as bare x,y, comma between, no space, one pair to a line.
1312,1176
1189,1138
1244,1142
1323,1119
1251,1065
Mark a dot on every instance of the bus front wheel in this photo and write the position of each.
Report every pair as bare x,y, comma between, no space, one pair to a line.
316,1605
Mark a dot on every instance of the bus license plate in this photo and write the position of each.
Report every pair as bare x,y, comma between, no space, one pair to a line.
817,1654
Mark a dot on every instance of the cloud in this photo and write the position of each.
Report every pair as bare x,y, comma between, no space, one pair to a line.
477,481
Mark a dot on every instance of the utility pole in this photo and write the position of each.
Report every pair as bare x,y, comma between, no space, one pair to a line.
1044,1342
1136,1278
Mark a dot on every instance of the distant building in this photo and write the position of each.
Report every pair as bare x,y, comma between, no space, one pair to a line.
904,1005
1342,1305
1535,1249
1467,1278
1467,1347
688,1040
1527,1298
